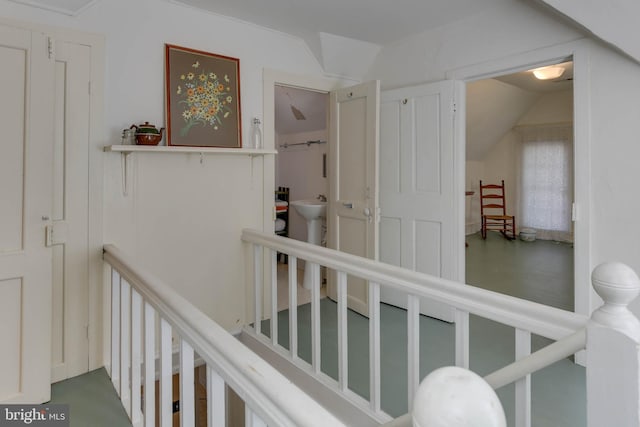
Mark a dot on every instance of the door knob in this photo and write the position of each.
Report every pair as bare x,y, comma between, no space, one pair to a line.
367,213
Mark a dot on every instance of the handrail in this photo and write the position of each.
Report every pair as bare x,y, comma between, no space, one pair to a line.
540,359
271,395
537,318
519,369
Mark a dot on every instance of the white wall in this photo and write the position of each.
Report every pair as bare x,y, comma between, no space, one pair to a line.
615,150
182,219
300,169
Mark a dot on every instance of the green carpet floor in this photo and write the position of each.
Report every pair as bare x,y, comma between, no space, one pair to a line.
92,401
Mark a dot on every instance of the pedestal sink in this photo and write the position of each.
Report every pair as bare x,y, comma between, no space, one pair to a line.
313,211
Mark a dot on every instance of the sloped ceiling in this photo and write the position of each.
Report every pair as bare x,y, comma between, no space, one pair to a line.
374,21
312,105
613,21
378,22
493,108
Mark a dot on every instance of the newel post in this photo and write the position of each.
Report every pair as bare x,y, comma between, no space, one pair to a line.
456,397
613,338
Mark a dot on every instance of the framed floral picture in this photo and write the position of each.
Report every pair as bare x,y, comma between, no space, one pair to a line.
202,98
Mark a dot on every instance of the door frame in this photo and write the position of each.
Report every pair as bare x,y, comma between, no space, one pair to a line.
97,140
271,78
580,52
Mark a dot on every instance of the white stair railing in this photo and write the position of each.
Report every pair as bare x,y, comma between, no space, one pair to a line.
526,317
140,304
612,339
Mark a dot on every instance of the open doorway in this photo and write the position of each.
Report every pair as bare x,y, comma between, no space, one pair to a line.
519,129
301,133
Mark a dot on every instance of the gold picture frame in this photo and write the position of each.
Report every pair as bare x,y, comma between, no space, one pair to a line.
202,98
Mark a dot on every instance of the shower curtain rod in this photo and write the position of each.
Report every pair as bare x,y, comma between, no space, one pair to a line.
308,143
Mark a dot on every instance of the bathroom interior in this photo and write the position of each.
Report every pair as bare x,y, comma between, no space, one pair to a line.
301,133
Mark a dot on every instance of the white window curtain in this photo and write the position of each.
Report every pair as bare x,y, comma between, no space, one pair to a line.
546,181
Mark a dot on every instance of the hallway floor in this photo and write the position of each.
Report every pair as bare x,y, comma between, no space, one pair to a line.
92,400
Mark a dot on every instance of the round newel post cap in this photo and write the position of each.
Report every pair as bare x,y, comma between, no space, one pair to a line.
456,397
616,283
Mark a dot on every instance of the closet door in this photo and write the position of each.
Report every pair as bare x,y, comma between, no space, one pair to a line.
419,209
70,216
25,212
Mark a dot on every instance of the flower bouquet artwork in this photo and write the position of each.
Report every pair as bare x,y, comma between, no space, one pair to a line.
203,98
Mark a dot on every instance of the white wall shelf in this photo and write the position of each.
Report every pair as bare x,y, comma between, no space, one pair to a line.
126,149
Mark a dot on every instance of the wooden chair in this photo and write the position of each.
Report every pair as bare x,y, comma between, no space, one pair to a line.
494,213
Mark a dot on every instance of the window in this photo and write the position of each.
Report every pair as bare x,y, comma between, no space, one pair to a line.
546,181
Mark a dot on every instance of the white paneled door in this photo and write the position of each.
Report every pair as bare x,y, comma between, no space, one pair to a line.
418,225
26,89
353,194
70,345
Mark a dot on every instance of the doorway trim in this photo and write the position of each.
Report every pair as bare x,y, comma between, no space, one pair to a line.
580,51
271,78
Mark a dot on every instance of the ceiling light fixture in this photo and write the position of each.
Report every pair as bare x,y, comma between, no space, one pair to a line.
548,73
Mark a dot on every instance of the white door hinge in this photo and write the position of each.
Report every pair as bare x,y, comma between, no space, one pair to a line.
51,45
56,233
574,212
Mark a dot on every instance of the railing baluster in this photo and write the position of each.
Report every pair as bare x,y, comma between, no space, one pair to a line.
316,350
274,297
257,287
115,330
413,348
125,345
149,365
293,306
343,344
136,351
216,406
165,401
374,346
462,338
136,296
523,385
187,384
